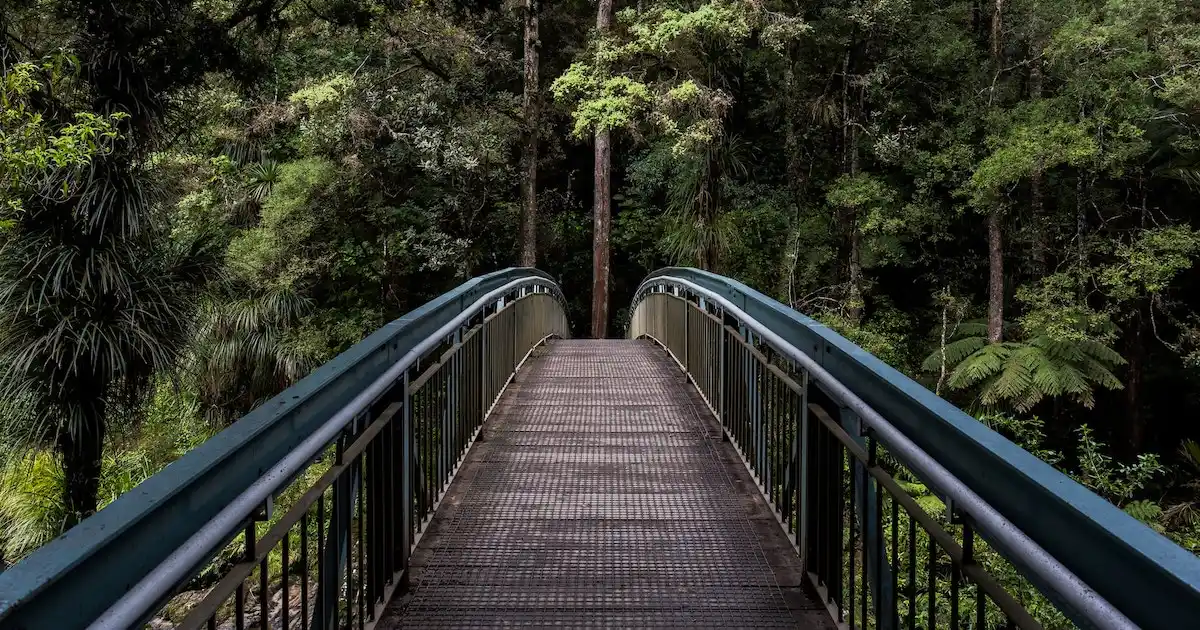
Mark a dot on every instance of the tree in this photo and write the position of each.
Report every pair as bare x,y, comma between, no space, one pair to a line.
97,298
1022,374
241,354
529,154
602,201
995,234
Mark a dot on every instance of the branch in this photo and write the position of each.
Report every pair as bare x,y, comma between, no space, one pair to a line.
260,10
33,53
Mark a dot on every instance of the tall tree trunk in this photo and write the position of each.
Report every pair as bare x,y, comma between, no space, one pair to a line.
797,183
709,210
1037,205
856,300
998,33
1135,351
602,205
1081,234
850,165
994,235
529,153
995,278
81,451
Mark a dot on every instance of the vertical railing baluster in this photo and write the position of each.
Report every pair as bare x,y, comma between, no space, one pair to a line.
406,476
912,572
839,463
955,573
853,544
362,559
304,571
894,613
932,588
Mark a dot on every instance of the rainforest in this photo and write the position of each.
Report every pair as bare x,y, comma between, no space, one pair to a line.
203,200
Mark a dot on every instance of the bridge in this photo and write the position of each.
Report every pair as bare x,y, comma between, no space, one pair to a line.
732,463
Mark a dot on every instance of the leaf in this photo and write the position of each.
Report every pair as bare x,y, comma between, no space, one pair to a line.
1147,512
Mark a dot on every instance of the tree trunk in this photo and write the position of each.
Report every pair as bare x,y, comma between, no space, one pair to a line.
997,33
994,236
855,299
797,183
850,160
82,457
1080,235
602,205
529,153
1037,205
1133,389
709,210
995,278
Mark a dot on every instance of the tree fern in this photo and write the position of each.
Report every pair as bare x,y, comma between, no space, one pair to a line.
1021,374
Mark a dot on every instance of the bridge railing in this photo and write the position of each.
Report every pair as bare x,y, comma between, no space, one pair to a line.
907,512
303,513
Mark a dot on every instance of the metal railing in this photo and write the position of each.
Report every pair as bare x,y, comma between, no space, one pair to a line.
891,533
320,535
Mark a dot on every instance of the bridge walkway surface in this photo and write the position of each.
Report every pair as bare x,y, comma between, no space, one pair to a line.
601,493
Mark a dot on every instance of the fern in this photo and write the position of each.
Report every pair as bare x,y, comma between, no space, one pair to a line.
954,352
1147,512
1023,373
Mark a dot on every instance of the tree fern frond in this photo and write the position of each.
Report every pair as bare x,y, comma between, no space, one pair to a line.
980,365
1101,353
1015,376
972,328
1023,373
1100,374
955,352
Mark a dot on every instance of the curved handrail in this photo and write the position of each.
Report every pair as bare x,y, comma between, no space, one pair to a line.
1131,568
171,523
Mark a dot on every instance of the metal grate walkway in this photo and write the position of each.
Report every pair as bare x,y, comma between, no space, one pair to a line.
601,495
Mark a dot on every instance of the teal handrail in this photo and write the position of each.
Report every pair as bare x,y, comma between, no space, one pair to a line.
76,577
1148,578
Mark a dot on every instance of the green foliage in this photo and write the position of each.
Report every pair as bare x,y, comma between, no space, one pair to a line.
32,511
325,93
243,353
612,103
38,156
1028,432
269,253
885,334
1115,481
621,85
1022,373
1027,147
1149,264
1052,308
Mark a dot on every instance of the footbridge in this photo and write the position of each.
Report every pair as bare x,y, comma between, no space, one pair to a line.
731,464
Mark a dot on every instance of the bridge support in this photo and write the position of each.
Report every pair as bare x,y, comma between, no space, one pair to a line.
868,509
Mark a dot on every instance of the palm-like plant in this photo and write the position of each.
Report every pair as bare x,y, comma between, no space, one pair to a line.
95,300
1023,373
1186,514
261,179
242,353
94,295
698,230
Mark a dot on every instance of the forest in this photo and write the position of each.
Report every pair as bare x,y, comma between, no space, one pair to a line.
202,200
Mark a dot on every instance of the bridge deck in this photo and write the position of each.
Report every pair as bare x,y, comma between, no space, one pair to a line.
601,494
